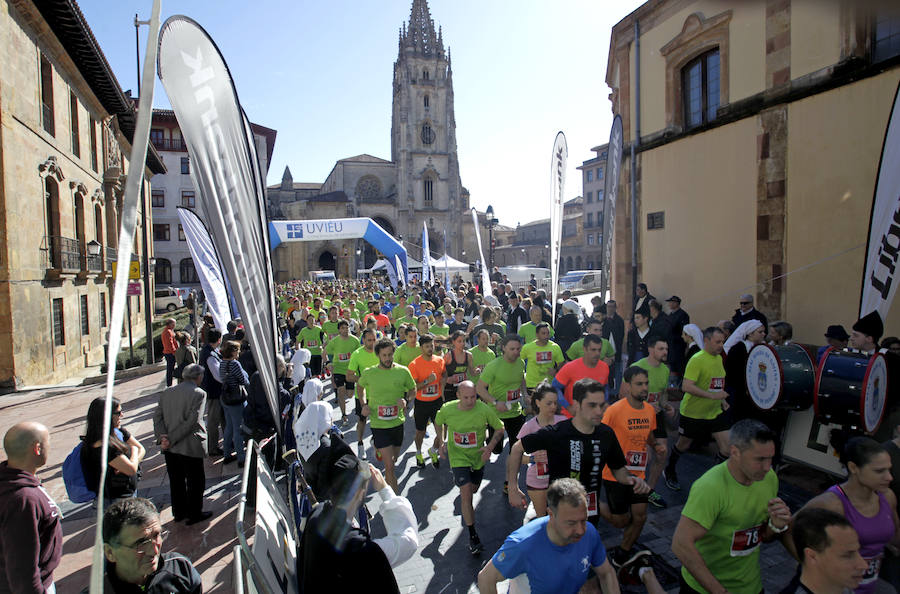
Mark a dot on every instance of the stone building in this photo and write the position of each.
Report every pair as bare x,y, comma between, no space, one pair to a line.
174,188
758,133
529,244
592,181
66,133
420,183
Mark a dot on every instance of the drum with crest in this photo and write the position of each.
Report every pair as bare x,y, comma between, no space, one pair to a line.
851,389
780,377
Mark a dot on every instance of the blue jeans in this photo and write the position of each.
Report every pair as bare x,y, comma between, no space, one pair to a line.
234,440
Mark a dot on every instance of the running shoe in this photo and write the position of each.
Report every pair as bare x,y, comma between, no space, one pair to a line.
620,558
656,500
360,451
475,546
630,573
672,480
435,458
420,461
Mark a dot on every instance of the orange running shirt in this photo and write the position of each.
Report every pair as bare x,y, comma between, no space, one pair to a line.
575,370
420,369
632,428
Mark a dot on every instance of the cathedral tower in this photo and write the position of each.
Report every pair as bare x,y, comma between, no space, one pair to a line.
423,135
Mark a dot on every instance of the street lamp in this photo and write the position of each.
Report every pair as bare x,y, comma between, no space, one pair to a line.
491,221
94,247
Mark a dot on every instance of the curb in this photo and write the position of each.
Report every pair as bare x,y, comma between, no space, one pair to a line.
125,374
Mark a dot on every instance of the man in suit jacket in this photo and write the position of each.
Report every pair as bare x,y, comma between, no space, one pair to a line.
748,312
179,429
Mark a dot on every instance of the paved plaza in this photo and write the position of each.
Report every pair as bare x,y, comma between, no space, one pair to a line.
442,563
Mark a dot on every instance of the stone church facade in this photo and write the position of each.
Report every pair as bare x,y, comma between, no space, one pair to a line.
421,182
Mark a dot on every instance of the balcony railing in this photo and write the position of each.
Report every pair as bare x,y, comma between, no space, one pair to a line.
64,253
95,263
170,144
111,256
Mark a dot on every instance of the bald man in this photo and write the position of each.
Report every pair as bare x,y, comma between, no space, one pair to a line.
30,528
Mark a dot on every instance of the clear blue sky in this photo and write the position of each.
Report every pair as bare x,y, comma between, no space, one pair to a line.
320,74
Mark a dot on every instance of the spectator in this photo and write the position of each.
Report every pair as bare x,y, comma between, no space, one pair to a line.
780,333
234,379
185,354
132,545
124,456
835,337
169,347
746,311
30,523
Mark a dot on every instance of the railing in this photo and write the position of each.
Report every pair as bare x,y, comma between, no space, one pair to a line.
95,263
111,256
64,253
170,144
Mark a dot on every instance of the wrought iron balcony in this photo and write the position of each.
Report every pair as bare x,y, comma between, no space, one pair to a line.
95,263
169,144
64,254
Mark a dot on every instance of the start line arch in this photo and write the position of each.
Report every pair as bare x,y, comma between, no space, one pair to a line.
333,229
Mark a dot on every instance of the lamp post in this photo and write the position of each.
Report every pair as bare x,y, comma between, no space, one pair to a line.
491,221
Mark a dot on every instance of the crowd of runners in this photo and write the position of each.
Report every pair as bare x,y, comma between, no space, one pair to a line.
586,401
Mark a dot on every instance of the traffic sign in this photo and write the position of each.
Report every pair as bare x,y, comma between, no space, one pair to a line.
134,289
134,270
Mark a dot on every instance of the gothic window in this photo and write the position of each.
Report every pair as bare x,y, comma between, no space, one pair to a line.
368,187
429,191
425,101
163,271
427,134
188,272
700,85
426,75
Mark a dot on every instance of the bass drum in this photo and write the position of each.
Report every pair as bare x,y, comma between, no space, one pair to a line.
780,377
851,389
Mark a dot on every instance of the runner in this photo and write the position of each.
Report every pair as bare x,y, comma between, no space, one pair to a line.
439,328
311,338
330,327
552,554
730,510
360,360
339,349
410,348
462,425
576,448
658,373
382,322
595,327
482,354
428,372
385,390
458,362
588,366
634,422
543,402
502,385
703,406
528,331
542,357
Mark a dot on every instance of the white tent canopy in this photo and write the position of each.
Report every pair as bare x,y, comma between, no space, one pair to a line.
451,263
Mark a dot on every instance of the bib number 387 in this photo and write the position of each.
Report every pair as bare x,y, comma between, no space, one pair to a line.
744,542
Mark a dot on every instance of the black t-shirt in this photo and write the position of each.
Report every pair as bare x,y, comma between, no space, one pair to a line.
118,485
573,454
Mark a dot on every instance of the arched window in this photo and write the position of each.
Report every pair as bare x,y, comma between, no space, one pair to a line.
425,101
187,271
700,86
590,264
163,271
427,133
426,75
51,193
578,263
428,191
98,224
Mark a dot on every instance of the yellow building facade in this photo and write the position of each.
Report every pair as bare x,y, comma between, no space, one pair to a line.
757,130
65,133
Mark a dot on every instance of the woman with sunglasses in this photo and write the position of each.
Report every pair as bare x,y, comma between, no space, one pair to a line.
124,456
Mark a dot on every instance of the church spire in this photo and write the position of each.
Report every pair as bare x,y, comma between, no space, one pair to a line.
420,36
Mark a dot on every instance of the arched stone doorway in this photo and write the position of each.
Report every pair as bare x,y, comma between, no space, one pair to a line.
326,261
369,256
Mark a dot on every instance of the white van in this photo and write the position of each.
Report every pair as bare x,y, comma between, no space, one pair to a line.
321,275
167,299
580,281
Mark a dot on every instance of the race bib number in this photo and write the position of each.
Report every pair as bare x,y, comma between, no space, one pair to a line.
543,357
871,573
465,440
512,396
543,470
636,460
343,356
479,369
744,542
717,384
388,413
457,378
430,390
653,397
312,343
592,503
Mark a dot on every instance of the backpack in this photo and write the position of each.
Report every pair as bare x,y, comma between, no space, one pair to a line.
73,477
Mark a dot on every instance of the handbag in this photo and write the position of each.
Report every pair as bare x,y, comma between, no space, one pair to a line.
234,394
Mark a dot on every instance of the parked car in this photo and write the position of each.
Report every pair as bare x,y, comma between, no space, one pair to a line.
579,280
167,299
